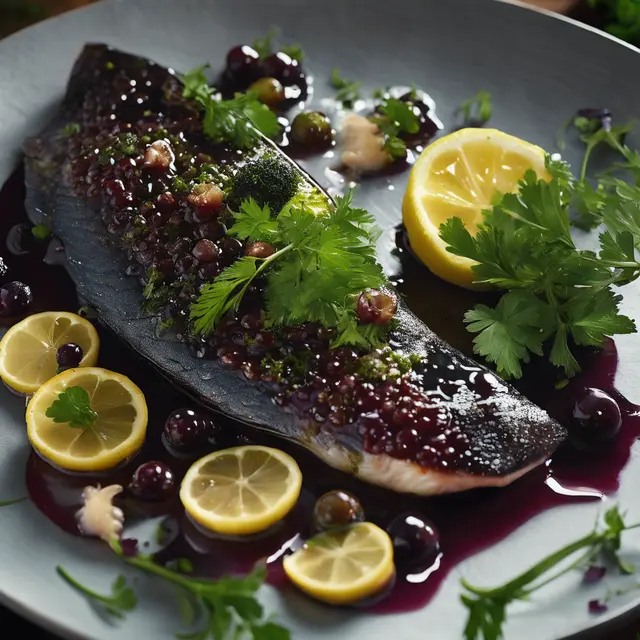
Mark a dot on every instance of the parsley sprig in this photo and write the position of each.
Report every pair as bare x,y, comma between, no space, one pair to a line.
323,261
73,406
487,607
555,291
265,46
239,121
224,608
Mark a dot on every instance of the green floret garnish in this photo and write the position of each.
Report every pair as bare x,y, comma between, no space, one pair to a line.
271,181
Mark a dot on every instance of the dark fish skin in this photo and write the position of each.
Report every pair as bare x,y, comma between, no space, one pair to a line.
506,434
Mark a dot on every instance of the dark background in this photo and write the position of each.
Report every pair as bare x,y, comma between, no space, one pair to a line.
17,14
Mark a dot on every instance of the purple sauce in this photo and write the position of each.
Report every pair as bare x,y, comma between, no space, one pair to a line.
569,477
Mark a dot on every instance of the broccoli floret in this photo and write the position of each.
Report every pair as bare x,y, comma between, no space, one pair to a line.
269,180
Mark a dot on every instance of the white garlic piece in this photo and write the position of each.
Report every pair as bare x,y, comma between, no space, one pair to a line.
98,517
362,144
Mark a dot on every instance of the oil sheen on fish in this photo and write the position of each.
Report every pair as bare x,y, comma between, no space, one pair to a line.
447,425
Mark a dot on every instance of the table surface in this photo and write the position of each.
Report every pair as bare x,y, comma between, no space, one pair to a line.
16,14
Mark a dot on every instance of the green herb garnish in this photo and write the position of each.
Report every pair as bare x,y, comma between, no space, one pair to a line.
477,110
487,607
347,90
398,118
265,47
74,407
117,604
238,121
554,290
323,261
224,608
70,129
622,18
8,503
40,232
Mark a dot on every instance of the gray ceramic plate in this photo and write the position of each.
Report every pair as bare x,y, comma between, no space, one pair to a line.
539,68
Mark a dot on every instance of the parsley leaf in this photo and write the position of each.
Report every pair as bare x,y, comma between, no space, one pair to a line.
556,292
73,406
347,92
323,261
239,121
508,333
70,129
294,51
396,118
477,110
121,600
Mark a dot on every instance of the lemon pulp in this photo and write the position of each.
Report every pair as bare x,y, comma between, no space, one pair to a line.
241,490
28,349
458,176
117,433
344,565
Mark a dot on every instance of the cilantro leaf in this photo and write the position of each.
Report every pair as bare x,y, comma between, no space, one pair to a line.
71,129
73,406
264,45
347,92
253,222
294,51
196,86
401,114
477,110
622,18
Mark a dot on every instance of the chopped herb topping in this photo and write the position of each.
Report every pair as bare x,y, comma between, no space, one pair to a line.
477,110
70,129
73,407
398,118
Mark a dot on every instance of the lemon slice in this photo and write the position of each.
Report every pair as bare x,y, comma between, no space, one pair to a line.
242,490
458,176
117,433
344,565
28,349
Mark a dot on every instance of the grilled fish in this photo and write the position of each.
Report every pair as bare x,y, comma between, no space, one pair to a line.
96,177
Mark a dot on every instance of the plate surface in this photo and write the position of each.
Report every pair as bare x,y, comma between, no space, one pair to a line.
540,69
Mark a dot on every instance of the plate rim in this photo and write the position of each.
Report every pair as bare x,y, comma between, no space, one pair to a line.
610,620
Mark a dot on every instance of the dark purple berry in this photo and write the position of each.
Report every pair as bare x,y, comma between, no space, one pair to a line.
596,420
69,355
336,509
152,481
206,251
594,574
15,297
243,63
377,307
283,68
416,542
188,431
597,607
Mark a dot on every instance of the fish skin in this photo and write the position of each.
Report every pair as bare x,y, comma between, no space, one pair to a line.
507,434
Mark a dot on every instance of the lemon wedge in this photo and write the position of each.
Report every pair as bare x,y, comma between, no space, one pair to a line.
343,566
28,349
117,433
242,490
458,176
